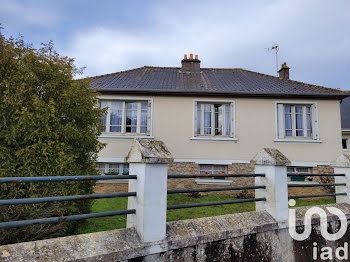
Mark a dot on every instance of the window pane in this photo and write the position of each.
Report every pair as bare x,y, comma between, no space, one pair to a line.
213,169
199,115
299,109
308,120
125,169
288,120
299,121
345,143
101,168
144,106
113,168
287,109
228,120
131,106
290,169
205,169
131,118
302,170
116,116
144,117
298,170
103,104
218,119
207,119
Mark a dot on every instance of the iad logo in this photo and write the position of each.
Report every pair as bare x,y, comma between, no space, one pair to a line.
323,223
326,252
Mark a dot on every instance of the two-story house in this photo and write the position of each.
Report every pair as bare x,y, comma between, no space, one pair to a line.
215,120
345,123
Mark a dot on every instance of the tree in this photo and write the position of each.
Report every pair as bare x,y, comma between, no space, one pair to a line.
49,126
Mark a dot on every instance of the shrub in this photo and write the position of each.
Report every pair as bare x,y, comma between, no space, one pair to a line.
49,126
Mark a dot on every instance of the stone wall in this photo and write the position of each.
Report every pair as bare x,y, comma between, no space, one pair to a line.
251,236
188,168
185,168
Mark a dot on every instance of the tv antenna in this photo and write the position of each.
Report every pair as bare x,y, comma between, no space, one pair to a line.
274,48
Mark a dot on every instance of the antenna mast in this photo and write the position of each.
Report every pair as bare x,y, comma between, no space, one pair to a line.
275,48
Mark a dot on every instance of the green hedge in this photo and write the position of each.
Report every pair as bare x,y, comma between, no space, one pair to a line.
49,126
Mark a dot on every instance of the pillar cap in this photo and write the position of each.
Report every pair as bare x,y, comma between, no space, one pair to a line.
149,151
271,157
342,161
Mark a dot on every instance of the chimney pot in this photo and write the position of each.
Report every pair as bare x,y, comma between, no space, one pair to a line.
190,65
283,73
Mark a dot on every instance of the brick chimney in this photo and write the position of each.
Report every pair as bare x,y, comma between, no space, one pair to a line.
191,65
284,71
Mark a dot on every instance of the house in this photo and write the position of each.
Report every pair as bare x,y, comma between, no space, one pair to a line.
215,120
345,123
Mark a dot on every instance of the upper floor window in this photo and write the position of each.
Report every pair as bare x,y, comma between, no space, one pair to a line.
297,121
213,119
127,117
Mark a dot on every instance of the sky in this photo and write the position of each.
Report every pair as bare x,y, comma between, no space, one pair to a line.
109,36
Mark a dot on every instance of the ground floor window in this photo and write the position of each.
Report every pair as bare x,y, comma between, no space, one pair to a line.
113,168
212,170
345,143
302,173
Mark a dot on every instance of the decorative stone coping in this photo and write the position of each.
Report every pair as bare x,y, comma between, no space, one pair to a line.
271,157
342,161
149,151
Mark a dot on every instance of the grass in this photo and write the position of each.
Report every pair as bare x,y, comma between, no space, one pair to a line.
116,222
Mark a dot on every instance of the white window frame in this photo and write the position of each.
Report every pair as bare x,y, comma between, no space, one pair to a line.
125,100
301,173
211,180
212,136
107,168
280,127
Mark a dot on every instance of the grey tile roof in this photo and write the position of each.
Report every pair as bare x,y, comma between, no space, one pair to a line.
168,80
345,113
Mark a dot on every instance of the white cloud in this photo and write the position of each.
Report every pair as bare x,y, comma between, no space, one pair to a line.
28,14
311,35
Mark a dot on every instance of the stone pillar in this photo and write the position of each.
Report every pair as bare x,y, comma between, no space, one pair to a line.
272,163
342,166
148,159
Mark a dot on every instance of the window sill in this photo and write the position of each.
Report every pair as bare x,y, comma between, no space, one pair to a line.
214,138
212,182
306,141
302,182
124,136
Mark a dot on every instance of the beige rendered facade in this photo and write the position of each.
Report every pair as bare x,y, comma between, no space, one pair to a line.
255,127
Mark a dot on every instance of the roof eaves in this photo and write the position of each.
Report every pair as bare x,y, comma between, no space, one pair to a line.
239,93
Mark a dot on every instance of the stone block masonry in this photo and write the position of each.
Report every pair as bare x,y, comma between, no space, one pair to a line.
190,168
251,236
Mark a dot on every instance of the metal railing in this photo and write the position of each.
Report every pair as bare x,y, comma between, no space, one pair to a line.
291,185
63,198
198,190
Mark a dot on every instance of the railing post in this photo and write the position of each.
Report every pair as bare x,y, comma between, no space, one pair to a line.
272,163
342,166
149,162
